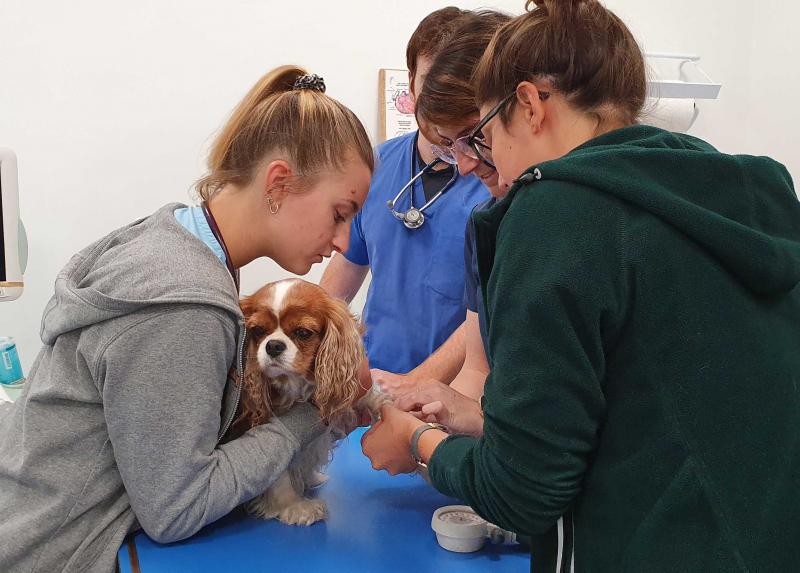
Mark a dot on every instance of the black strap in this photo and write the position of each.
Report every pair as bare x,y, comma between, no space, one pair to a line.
212,223
414,166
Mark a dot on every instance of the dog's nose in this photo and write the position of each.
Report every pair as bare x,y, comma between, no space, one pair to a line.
275,347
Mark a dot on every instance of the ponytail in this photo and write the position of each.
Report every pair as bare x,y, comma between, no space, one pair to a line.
313,130
580,47
275,82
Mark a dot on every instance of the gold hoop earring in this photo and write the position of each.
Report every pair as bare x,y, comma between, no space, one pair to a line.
273,206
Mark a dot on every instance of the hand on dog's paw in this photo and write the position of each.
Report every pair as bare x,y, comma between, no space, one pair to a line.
304,512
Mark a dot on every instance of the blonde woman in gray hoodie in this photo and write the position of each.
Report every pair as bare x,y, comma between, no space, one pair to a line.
127,402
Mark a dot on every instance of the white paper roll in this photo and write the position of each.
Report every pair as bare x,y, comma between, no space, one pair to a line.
10,269
672,114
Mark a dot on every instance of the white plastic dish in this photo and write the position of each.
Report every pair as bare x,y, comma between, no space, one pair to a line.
458,528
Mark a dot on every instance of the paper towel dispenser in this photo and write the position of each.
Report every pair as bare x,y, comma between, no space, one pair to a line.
14,249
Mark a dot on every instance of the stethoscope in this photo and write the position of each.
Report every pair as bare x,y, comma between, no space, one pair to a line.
414,218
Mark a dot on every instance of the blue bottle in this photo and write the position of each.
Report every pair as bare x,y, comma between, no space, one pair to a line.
10,367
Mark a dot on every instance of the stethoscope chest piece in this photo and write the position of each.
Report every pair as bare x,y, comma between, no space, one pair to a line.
413,218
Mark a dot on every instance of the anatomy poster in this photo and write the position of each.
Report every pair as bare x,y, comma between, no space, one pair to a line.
396,104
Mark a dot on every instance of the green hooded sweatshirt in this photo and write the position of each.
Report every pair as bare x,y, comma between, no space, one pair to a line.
642,412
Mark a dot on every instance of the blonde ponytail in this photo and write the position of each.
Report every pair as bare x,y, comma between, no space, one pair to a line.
277,81
311,128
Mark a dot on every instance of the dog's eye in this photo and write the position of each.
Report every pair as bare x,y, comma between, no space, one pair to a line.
303,333
257,332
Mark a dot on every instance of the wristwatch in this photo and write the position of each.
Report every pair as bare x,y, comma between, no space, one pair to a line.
415,440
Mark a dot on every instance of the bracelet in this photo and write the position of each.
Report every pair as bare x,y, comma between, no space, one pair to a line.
415,440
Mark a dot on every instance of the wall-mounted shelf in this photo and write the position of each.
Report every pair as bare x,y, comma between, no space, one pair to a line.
692,82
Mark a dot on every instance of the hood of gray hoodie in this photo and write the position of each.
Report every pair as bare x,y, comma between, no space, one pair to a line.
120,274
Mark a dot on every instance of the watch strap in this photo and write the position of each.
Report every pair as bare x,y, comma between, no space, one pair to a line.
415,440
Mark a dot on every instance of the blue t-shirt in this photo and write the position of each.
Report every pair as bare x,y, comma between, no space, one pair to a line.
416,297
472,281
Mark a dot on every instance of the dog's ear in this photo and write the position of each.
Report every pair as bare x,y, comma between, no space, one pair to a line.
254,402
338,360
248,305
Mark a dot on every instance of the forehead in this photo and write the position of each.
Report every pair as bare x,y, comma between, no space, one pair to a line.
349,185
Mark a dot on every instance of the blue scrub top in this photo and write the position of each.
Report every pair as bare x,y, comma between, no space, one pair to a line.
416,298
472,282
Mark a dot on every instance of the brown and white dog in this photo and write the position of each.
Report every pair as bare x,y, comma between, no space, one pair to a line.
302,345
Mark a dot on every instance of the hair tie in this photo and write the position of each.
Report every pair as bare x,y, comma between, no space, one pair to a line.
310,82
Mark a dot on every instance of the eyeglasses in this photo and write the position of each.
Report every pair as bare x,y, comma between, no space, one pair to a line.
468,146
472,145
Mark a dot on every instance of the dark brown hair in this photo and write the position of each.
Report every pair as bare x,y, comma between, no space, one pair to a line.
448,96
431,32
581,48
313,130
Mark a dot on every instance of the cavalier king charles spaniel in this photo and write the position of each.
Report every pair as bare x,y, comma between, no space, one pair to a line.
302,345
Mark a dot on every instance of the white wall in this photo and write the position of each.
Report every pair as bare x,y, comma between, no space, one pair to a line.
770,116
111,105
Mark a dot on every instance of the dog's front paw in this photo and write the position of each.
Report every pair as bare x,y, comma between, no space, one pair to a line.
262,507
303,512
372,402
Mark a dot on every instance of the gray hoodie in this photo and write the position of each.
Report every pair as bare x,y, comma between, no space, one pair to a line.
120,424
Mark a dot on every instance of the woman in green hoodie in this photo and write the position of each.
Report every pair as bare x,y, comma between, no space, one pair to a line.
643,321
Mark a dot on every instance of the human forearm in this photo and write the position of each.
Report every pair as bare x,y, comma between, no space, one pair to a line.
469,382
466,468
342,278
462,467
472,377
445,363
228,476
388,442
